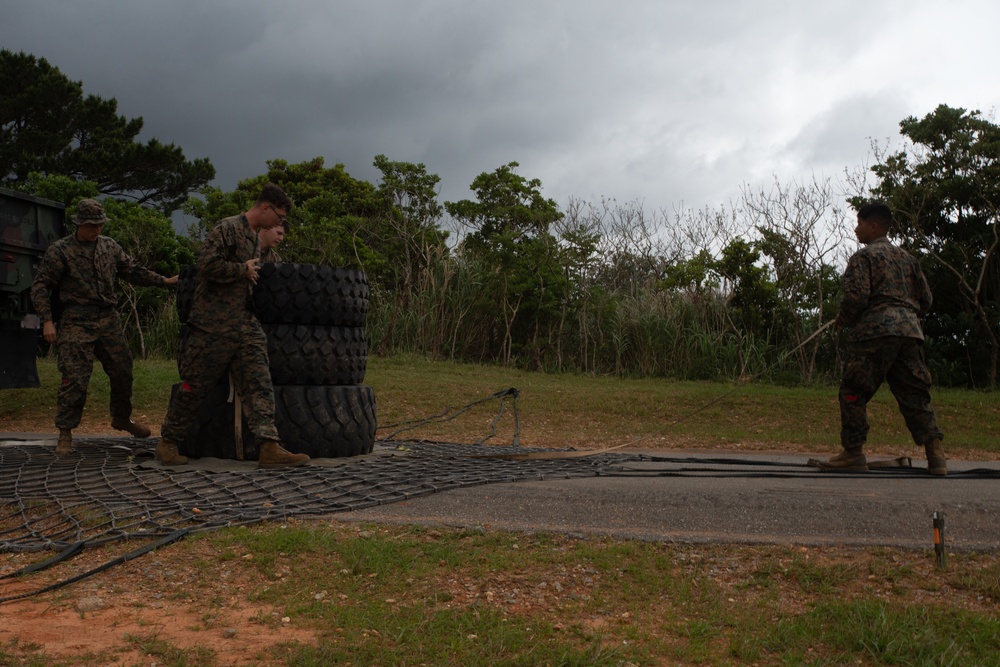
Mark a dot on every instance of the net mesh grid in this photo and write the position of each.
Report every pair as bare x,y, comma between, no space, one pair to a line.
112,489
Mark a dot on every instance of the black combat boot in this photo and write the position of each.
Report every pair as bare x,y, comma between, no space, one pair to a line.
133,427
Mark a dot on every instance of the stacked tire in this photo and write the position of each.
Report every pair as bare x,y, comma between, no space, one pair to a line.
314,319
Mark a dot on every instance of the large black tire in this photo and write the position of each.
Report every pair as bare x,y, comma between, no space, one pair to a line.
289,293
187,278
330,421
316,355
323,422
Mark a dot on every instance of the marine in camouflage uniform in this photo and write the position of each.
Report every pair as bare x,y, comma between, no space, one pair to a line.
83,267
224,334
269,240
885,295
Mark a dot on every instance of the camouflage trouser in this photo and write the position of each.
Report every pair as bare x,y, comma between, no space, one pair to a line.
79,338
900,361
204,360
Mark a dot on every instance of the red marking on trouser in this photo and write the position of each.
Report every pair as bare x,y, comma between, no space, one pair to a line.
851,398
65,381
185,386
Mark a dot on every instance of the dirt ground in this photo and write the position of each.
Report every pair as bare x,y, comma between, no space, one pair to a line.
137,609
133,613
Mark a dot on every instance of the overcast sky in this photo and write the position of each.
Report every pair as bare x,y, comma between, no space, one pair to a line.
670,103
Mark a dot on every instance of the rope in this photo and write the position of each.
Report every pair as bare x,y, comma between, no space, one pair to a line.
447,414
135,553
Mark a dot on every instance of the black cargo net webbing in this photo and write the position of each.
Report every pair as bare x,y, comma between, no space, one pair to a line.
111,488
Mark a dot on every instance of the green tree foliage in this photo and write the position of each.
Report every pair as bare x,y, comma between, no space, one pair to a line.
944,187
148,236
336,220
411,235
48,126
412,213
511,223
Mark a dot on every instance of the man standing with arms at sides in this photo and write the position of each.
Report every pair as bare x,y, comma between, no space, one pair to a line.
225,335
269,240
885,295
83,266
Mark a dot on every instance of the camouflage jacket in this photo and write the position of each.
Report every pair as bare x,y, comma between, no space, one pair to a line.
885,293
85,275
270,255
223,295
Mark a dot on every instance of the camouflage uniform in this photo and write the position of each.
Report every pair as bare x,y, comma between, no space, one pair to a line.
270,255
224,335
89,326
885,295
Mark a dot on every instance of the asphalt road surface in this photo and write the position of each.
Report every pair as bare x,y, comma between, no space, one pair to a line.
733,501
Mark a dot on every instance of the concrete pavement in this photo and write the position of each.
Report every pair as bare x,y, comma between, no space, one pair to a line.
730,503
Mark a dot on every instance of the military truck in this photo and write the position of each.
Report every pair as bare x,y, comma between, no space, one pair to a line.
28,225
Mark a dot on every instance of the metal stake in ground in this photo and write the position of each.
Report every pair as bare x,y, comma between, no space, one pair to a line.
938,521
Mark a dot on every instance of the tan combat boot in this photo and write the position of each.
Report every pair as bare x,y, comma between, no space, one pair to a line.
133,427
936,463
167,454
273,455
846,461
64,446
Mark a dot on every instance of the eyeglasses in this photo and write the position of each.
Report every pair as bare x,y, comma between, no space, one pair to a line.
281,218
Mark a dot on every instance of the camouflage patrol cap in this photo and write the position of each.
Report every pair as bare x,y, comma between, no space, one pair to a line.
90,212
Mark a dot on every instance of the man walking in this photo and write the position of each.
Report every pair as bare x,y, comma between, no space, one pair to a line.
885,295
83,266
225,335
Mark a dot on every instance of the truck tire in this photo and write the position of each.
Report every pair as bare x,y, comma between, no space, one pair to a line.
316,354
323,422
326,422
289,293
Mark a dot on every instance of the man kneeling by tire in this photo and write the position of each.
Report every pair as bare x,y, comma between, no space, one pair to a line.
225,335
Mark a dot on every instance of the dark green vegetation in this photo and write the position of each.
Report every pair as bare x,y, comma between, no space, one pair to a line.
508,277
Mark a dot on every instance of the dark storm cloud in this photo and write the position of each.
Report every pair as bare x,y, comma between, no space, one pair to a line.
665,102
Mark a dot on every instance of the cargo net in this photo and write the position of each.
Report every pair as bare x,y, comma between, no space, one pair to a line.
112,489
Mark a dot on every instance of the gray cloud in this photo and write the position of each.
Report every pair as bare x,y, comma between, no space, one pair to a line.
664,102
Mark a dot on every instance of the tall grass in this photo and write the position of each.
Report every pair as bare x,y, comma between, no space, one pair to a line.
454,313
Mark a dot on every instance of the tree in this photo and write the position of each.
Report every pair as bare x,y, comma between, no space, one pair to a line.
944,187
410,229
511,223
335,219
802,232
48,126
508,208
148,236
411,232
